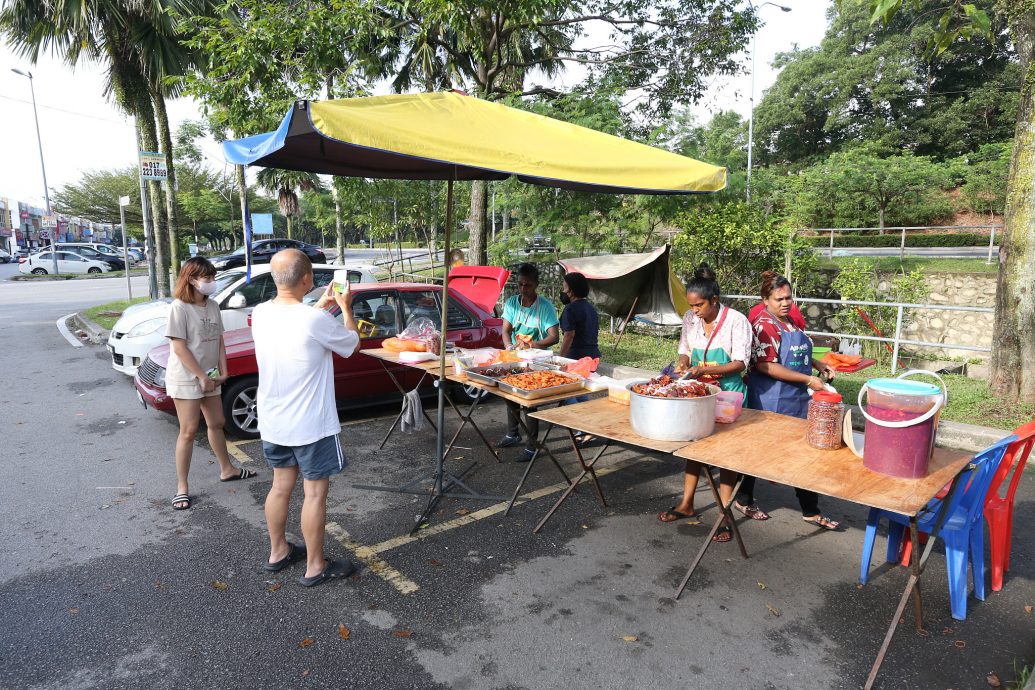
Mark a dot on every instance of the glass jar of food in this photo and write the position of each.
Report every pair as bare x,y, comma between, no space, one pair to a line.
826,410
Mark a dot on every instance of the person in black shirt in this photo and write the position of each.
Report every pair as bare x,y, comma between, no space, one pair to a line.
580,325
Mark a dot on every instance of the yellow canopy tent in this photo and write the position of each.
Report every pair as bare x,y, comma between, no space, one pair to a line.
450,136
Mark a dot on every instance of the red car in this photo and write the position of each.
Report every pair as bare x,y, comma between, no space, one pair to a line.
359,380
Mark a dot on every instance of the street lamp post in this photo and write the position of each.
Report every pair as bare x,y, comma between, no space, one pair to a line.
751,113
39,142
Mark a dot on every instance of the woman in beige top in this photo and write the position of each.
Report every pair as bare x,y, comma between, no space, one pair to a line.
195,333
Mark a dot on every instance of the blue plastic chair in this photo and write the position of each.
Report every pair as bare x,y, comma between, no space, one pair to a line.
963,530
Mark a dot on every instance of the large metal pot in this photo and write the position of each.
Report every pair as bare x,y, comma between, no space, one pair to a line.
672,419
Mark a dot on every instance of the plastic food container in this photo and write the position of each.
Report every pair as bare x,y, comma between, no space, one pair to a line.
901,423
728,406
618,390
823,430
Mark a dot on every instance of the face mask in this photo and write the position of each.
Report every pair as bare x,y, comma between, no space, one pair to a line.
565,299
206,288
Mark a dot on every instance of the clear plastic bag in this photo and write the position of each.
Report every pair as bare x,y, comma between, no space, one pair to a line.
423,330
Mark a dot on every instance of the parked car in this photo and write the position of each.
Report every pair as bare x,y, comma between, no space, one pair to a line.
5,257
136,254
142,326
89,252
540,243
263,251
359,380
68,262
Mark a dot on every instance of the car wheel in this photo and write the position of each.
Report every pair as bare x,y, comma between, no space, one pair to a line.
240,409
93,269
39,271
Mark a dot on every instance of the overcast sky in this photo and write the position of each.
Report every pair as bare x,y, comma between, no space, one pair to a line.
81,130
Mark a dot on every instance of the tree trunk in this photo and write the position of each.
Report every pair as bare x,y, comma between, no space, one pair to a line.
880,219
476,249
165,139
288,216
339,229
149,140
242,192
1013,342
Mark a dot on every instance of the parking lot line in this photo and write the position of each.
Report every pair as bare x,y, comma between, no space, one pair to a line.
495,509
236,452
374,563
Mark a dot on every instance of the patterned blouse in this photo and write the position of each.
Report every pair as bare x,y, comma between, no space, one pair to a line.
767,337
734,337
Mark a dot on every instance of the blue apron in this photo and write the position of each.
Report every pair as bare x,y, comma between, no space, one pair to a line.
783,397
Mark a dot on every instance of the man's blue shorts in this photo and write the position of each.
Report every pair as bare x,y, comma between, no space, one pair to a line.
317,460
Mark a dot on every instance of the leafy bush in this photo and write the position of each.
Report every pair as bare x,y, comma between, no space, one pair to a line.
739,242
894,239
859,280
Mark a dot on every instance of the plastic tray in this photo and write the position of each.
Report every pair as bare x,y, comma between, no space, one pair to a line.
478,373
575,385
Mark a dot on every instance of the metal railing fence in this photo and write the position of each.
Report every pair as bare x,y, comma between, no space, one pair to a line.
902,230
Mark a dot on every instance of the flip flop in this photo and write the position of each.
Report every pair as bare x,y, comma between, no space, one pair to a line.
295,554
245,474
672,515
335,570
822,521
181,498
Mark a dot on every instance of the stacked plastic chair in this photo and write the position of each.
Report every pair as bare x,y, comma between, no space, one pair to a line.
998,508
964,545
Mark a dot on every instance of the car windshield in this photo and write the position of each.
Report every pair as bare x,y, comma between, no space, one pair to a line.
226,279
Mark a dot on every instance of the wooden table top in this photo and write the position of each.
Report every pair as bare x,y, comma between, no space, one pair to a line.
604,419
772,446
393,357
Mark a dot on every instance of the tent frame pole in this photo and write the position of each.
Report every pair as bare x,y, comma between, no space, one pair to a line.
625,324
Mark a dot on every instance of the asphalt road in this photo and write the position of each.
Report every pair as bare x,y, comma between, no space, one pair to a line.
102,585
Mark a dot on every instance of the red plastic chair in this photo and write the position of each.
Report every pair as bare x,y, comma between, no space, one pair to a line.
998,508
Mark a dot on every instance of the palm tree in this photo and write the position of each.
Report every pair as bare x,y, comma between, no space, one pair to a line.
283,183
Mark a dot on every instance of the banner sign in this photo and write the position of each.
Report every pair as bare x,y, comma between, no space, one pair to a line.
152,166
50,221
262,223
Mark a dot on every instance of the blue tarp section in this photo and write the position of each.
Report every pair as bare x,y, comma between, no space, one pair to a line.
250,149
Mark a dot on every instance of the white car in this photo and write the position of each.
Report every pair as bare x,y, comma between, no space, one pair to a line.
5,257
142,326
43,263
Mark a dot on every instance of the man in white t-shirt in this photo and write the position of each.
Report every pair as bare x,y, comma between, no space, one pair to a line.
298,418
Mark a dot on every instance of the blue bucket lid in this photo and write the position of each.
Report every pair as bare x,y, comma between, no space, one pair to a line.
903,387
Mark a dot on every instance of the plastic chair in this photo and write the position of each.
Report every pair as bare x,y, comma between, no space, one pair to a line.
963,544
998,509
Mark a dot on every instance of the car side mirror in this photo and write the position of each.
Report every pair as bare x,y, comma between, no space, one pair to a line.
236,302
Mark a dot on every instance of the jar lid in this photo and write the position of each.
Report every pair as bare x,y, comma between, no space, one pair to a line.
903,387
827,397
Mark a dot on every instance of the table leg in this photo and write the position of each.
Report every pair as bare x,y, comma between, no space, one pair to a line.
725,513
402,391
919,564
570,489
592,472
528,469
469,419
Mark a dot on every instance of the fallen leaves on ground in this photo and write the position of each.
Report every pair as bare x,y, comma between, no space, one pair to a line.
402,633
219,584
74,610
305,673
435,562
773,610
343,632
274,587
960,644
993,680
761,585
463,511
630,638
307,642
1028,608
694,522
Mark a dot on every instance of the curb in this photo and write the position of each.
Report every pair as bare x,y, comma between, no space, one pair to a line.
95,333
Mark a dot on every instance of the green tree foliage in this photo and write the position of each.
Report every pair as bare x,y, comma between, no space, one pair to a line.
985,173
866,84
859,281
739,242
96,196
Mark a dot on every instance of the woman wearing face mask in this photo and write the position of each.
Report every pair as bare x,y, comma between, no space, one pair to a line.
715,346
195,333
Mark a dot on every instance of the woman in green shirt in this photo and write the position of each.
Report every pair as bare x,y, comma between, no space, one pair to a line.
529,321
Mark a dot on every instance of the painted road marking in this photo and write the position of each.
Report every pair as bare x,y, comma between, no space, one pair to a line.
240,455
378,566
63,329
490,511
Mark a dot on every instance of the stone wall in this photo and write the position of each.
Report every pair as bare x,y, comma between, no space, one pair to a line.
930,325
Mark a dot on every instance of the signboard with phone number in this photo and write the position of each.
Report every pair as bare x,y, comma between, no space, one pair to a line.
152,166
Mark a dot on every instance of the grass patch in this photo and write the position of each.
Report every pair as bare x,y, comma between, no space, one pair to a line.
970,401
105,315
894,263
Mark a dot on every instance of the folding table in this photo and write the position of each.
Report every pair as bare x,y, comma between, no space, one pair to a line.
772,446
603,419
